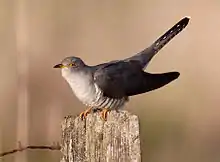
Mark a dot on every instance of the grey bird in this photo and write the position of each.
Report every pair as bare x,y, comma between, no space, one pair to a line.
109,85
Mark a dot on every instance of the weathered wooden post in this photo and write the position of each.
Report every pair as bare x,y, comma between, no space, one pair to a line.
95,140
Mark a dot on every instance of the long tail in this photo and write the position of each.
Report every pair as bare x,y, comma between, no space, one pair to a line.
147,54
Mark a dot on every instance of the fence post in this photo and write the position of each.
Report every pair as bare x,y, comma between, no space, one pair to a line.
95,140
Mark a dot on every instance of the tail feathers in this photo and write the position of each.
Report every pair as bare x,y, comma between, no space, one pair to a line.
164,39
153,81
147,54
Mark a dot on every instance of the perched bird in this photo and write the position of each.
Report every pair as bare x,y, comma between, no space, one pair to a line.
109,85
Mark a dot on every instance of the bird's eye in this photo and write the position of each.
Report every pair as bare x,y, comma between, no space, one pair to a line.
72,64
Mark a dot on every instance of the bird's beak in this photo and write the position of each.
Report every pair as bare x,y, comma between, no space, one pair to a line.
59,66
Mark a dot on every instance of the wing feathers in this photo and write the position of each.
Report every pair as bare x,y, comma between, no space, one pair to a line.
124,79
151,82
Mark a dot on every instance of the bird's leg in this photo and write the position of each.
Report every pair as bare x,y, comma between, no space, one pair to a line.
104,114
85,113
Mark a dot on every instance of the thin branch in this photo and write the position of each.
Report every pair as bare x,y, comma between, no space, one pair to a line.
55,146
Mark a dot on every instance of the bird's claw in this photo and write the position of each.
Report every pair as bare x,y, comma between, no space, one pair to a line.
104,114
84,114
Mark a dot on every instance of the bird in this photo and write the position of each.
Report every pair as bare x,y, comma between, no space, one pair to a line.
108,86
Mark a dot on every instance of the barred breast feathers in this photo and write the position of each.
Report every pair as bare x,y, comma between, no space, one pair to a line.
106,102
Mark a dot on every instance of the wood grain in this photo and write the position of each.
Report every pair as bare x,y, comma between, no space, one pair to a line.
95,140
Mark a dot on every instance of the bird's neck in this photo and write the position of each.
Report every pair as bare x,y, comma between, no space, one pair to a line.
76,77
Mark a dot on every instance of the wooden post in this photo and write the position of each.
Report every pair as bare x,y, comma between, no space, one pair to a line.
95,140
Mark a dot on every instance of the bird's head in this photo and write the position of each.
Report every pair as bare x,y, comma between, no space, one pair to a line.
70,65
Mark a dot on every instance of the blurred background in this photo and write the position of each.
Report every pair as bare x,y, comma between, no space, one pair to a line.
180,122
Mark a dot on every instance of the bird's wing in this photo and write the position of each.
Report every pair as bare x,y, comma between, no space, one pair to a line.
122,79
114,78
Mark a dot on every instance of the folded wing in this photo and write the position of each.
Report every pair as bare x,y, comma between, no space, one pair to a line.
122,79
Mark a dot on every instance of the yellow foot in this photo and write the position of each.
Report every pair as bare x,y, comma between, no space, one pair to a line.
104,114
85,113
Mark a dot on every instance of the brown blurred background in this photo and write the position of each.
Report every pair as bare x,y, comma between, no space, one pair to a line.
180,122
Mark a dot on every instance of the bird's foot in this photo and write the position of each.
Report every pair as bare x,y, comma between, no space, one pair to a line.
85,113
103,114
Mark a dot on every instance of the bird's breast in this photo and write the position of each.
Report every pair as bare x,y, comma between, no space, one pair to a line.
83,88
90,94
